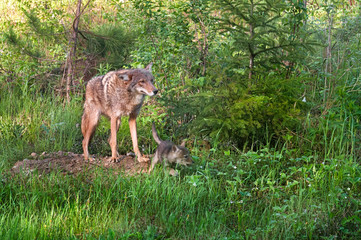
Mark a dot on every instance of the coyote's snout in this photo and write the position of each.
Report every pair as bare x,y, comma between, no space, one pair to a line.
116,94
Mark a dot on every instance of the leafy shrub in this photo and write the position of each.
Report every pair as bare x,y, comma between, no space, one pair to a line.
110,42
234,113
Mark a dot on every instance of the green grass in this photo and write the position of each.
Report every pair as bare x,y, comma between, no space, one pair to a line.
263,194
252,197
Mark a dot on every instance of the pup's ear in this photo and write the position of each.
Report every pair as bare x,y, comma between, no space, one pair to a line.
149,67
183,144
123,76
174,148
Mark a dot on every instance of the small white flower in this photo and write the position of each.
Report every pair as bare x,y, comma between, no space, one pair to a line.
195,184
235,167
348,189
304,99
309,185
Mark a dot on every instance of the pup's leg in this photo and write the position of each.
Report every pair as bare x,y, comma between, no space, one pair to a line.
155,160
168,169
89,122
133,133
172,172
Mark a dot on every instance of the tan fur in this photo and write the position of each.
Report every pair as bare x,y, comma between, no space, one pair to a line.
116,94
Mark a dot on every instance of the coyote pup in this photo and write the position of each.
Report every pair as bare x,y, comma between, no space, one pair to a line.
169,153
116,94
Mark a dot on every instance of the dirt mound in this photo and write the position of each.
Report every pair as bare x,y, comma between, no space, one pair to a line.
72,163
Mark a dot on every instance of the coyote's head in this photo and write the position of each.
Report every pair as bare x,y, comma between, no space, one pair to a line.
139,81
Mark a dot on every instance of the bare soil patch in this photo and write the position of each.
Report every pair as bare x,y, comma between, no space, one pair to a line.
73,164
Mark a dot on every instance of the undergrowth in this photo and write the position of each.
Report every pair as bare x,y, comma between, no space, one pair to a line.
255,195
264,193
273,125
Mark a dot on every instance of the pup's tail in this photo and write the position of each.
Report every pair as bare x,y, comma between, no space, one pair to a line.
155,134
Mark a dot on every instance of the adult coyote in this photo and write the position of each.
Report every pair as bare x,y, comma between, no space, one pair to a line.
116,94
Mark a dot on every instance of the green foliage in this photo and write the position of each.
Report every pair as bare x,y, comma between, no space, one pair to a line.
32,49
37,124
40,31
335,134
238,196
264,34
301,178
234,113
111,43
176,37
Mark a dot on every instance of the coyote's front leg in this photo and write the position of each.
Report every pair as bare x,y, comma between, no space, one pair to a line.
133,133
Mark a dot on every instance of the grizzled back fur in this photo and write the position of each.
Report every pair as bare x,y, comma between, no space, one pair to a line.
120,93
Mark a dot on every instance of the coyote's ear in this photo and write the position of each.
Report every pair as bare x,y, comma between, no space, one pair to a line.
149,67
123,76
183,144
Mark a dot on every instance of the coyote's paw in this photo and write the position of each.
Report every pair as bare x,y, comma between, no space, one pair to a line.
111,160
89,159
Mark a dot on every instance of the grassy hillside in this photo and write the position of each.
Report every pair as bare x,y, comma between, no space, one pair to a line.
262,194
268,101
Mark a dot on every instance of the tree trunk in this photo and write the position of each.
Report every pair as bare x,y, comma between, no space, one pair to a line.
204,48
328,68
328,62
251,35
71,55
251,64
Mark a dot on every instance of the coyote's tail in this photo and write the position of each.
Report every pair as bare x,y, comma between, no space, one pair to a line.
155,134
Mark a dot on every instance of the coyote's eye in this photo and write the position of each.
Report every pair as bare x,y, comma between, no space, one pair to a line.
141,81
